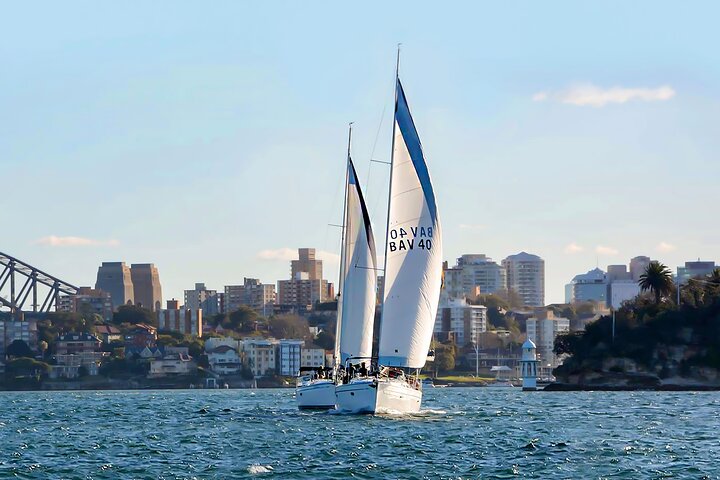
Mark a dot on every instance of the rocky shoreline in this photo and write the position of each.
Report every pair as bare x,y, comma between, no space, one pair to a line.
568,387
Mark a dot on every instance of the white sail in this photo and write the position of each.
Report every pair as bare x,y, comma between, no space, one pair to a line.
359,270
413,252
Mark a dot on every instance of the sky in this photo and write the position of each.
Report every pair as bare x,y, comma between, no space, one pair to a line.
209,137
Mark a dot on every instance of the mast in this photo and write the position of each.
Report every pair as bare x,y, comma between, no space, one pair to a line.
387,223
343,252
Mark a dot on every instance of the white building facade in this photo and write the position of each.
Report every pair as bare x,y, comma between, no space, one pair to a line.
460,320
526,276
289,356
261,354
542,329
312,357
224,360
621,291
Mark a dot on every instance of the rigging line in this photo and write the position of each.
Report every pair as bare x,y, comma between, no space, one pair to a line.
336,247
372,153
369,268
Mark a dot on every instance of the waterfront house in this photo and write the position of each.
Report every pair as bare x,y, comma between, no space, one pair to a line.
108,333
172,365
69,372
224,360
148,353
141,336
73,343
75,350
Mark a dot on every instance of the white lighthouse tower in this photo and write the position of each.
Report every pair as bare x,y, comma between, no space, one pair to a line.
528,366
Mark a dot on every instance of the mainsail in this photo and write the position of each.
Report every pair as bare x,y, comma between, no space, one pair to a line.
356,308
413,250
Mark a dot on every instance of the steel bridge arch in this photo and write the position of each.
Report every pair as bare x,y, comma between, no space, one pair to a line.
21,281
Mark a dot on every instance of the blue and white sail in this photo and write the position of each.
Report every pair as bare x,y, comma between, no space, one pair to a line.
356,306
413,250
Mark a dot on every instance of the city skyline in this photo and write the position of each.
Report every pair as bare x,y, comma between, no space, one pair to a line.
585,152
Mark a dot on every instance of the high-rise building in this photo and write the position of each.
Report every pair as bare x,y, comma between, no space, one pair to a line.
306,286
185,321
638,265
480,272
612,288
587,287
252,293
526,276
209,301
452,286
472,275
146,285
694,270
303,292
617,273
115,278
457,319
542,328
306,263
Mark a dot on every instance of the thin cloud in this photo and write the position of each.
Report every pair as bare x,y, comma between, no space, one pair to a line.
573,248
664,247
603,250
327,256
284,254
470,226
55,241
594,96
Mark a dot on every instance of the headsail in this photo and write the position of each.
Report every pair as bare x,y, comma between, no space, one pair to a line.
413,250
359,270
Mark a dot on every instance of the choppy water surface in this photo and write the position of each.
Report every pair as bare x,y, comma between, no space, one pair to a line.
462,433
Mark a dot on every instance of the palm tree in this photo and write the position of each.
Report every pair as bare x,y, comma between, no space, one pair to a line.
714,277
658,279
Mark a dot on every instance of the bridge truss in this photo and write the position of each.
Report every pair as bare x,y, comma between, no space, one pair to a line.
22,285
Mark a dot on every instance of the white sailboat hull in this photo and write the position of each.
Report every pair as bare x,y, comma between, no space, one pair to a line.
383,395
318,394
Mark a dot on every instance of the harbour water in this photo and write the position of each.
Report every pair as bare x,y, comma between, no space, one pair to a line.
461,433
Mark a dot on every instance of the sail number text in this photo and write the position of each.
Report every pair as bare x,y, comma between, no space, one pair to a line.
417,237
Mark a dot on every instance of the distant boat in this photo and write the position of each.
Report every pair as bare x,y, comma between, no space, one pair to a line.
501,381
356,302
411,289
500,384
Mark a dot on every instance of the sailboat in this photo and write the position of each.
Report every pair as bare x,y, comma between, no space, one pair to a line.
413,276
356,303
